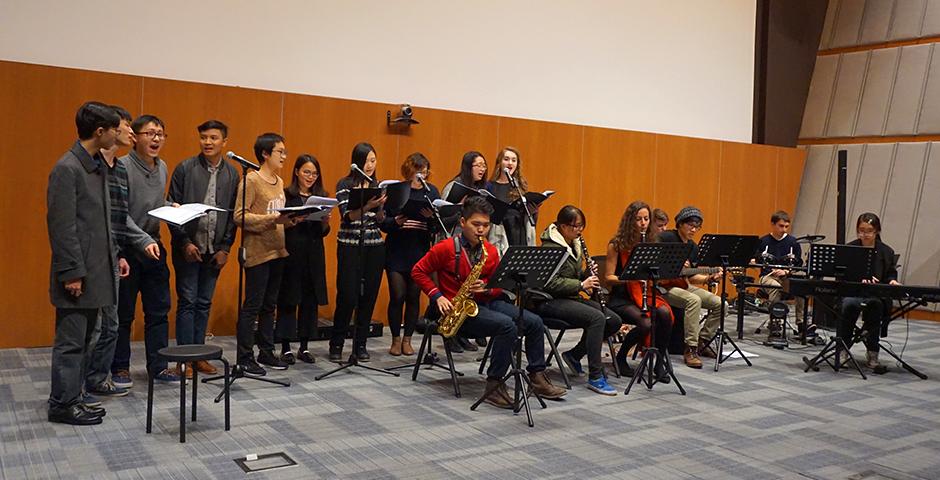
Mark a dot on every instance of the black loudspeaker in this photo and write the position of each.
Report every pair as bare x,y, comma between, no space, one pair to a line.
841,194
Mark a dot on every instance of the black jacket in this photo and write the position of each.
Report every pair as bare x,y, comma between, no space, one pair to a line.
885,268
305,268
188,185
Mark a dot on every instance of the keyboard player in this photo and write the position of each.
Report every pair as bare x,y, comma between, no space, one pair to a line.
872,310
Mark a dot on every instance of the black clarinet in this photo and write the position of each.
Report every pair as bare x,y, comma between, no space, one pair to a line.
598,295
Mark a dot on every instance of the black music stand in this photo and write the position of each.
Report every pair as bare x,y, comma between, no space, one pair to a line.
648,263
846,263
523,268
725,251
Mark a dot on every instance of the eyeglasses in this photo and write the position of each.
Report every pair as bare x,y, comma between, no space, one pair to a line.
282,153
576,226
309,173
866,233
694,226
156,135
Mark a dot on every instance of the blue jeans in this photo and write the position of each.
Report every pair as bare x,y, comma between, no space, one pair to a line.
497,319
195,286
151,279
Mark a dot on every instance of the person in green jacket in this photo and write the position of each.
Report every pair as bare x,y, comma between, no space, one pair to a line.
567,304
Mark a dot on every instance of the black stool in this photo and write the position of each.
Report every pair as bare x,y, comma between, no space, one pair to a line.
563,326
185,354
426,355
553,350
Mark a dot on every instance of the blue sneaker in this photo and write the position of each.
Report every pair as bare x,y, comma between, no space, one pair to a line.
572,366
167,375
122,379
90,400
601,386
108,389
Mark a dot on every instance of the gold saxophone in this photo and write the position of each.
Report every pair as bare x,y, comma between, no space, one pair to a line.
463,303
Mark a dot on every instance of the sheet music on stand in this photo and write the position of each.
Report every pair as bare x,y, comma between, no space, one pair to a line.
543,262
666,259
739,249
848,263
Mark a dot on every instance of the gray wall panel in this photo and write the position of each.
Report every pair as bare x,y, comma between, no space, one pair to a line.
819,97
931,19
876,21
922,266
848,22
812,188
868,194
845,99
827,214
826,38
930,111
908,19
903,195
873,111
908,90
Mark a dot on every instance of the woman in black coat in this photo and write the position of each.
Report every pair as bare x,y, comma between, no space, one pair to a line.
303,287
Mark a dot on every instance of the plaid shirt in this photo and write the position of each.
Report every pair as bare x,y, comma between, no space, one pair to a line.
118,192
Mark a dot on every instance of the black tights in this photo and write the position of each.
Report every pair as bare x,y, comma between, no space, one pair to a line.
633,315
402,292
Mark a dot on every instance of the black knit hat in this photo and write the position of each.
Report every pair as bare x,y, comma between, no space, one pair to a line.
688,212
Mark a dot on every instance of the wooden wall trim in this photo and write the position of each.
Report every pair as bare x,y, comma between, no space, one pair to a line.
879,46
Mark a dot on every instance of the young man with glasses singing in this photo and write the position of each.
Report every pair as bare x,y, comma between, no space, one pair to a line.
688,295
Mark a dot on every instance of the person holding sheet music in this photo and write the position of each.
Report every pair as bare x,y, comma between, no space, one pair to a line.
357,224
872,310
303,286
201,248
688,295
408,238
515,228
265,252
626,297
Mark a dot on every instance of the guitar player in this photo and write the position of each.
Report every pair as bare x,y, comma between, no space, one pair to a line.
688,294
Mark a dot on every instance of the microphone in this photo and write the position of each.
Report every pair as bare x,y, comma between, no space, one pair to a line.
509,176
355,167
420,176
243,162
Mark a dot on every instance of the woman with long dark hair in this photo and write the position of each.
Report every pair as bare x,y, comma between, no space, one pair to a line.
408,238
884,270
626,297
515,229
303,286
357,226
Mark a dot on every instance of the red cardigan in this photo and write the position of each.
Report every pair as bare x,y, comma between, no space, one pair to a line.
440,260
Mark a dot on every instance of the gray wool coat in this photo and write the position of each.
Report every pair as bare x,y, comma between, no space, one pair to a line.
78,220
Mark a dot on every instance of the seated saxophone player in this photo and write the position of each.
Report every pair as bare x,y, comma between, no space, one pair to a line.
463,265
597,322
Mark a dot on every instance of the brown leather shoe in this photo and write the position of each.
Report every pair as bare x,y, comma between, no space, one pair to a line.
498,396
543,386
206,368
706,351
691,357
395,349
406,348
189,370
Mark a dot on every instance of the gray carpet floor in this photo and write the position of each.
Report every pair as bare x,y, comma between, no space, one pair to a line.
767,421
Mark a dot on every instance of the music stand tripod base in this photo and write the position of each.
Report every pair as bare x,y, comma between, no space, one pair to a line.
237,373
353,361
520,269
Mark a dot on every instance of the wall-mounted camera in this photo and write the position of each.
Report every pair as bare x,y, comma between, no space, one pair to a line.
404,116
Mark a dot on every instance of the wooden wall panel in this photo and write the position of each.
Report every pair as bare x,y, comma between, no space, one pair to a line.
617,168
329,128
748,176
37,111
444,137
598,169
551,160
687,173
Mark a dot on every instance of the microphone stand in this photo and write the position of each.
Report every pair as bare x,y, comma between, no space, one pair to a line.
525,203
353,360
434,209
237,371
